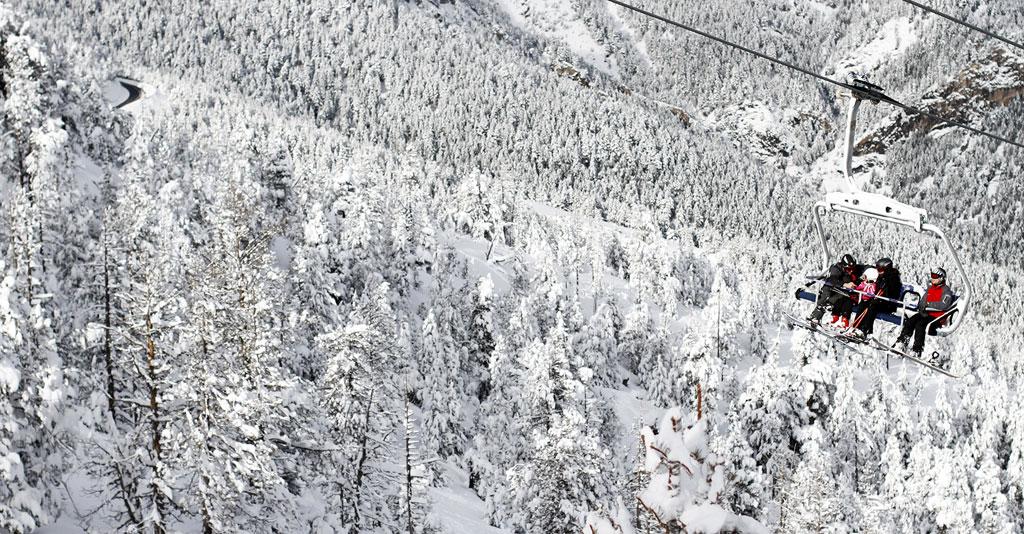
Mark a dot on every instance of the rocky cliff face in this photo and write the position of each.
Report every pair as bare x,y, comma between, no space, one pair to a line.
993,82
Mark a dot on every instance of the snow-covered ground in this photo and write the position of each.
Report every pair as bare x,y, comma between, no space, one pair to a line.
555,19
117,94
457,509
895,37
114,92
454,507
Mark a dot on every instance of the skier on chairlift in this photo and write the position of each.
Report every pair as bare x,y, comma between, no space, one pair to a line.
929,316
841,275
864,291
889,286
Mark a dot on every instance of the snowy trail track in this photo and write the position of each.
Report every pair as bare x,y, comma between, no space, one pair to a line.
458,509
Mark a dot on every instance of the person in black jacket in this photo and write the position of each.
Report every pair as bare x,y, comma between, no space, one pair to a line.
840,275
890,286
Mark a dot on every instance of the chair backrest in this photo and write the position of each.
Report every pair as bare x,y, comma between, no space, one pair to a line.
910,297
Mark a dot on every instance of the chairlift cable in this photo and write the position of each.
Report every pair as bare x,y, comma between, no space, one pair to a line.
875,95
964,23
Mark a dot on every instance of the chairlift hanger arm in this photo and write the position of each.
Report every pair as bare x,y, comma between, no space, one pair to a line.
963,302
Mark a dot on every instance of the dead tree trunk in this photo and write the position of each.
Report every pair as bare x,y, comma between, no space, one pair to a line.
364,444
108,349
154,408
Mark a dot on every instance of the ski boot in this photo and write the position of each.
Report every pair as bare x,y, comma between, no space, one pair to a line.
857,333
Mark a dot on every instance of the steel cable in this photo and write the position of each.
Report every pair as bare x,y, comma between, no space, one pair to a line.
877,95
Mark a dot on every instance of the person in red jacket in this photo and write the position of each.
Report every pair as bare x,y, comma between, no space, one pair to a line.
937,302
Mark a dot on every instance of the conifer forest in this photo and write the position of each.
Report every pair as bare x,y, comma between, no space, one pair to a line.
511,266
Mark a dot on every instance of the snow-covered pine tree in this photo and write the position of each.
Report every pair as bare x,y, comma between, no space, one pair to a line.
442,403
876,515
125,241
476,380
597,348
413,498
769,416
244,412
153,307
918,479
811,500
25,420
992,513
856,448
894,482
745,488
502,438
565,475
686,479
634,341
638,478
709,352
322,283
33,331
360,398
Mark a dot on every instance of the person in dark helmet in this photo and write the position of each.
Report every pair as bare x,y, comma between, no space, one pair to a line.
888,286
841,275
937,302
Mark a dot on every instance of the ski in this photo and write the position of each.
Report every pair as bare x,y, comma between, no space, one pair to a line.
824,330
892,350
802,323
853,342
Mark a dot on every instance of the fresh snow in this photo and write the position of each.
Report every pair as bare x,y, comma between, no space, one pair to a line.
62,526
555,20
821,7
10,378
113,92
712,519
453,507
616,12
457,509
895,37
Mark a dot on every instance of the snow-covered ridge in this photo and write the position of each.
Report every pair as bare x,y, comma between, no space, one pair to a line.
993,82
893,39
556,20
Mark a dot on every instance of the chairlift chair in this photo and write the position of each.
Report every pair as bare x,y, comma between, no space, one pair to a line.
860,203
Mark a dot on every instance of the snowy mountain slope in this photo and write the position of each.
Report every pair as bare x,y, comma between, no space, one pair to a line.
428,105
993,82
458,509
630,262
560,22
894,38
773,136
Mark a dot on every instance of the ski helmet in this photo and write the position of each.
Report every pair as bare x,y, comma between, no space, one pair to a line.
848,260
939,273
871,274
883,264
